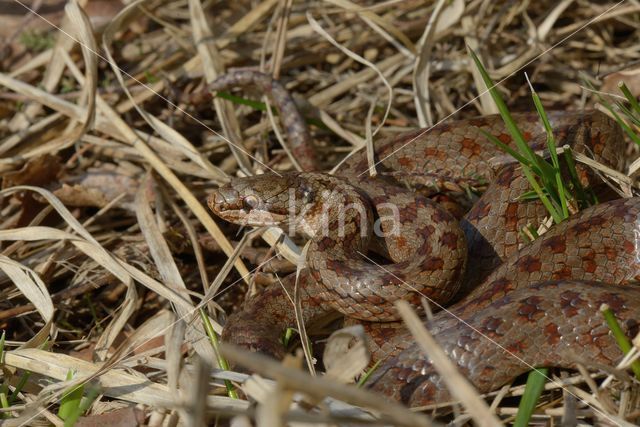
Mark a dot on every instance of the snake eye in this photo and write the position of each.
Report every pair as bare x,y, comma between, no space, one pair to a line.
250,202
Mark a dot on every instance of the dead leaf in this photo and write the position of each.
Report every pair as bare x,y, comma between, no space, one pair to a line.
346,354
124,417
97,187
40,171
79,196
630,76
15,18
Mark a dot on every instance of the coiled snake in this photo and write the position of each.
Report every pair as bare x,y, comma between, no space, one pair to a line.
519,305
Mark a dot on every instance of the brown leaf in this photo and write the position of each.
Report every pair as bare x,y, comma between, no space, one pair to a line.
124,417
15,18
80,196
630,76
97,187
39,171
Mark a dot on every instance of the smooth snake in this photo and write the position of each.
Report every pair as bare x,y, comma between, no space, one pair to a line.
519,305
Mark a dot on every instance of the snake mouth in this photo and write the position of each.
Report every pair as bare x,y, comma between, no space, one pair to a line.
233,208
251,218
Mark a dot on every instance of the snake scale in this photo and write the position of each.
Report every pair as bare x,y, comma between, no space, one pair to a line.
516,305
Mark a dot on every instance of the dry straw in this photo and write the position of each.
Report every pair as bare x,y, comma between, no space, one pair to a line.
118,269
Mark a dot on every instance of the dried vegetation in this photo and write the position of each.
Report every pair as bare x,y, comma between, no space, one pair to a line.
107,153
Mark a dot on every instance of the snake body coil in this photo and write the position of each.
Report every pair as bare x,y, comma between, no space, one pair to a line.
520,305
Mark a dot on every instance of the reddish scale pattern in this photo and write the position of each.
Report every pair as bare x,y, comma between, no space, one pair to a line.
449,240
514,347
402,243
529,310
572,307
563,273
529,264
515,303
470,147
552,333
504,138
555,245
563,327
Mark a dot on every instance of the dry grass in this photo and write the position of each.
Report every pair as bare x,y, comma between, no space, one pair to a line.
108,250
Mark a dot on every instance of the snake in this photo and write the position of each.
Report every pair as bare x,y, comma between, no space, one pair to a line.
505,304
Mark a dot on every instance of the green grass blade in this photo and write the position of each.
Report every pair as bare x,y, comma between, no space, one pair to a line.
289,333
551,142
222,362
528,196
555,201
553,153
628,113
502,107
70,401
4,402
588,198
364,378
526,234
85,404
630,98
504,147
625,127
618,334
557,217
532,391
623,124
25,376
256,105
510,124
21,383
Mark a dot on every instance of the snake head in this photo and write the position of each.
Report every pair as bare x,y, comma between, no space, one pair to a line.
262,200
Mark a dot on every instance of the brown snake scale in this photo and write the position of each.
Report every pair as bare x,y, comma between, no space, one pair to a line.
519,305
